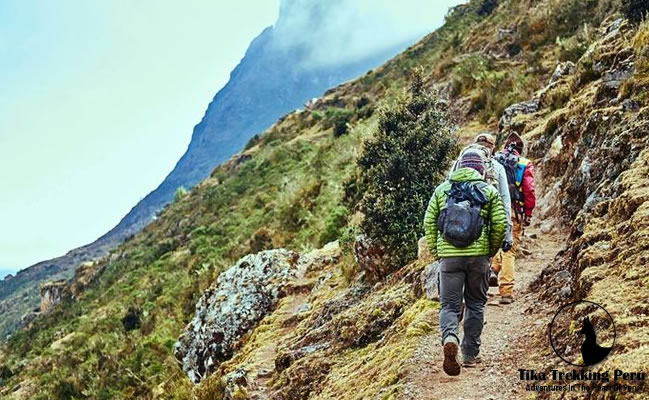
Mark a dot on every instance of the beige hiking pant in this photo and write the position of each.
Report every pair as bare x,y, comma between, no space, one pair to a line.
503,263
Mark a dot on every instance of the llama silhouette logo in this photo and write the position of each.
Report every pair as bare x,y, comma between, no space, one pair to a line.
582,333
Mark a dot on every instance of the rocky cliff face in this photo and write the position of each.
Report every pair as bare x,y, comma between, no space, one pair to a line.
276,75
234,305
593,156
53,293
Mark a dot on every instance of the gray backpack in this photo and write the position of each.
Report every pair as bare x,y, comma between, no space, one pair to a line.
460,222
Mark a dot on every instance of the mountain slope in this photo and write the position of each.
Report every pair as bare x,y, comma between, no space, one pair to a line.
331,327
274,77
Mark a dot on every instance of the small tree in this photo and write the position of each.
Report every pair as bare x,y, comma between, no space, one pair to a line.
400,166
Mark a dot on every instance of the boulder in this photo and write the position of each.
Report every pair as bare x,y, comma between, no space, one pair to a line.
548,226
613,29
526,107
562,276
430,281
614,78
53,293
318,259
423,252
372,257
239,299
627,105
235,383
563,69
550,204
565,292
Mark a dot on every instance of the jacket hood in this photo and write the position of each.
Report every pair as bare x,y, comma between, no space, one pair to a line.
466,174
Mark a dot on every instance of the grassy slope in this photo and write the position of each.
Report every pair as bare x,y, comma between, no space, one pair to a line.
289,183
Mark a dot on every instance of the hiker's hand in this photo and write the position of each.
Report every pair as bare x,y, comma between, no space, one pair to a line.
507,245
527,221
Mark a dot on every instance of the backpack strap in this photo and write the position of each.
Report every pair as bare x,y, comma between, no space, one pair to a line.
480,186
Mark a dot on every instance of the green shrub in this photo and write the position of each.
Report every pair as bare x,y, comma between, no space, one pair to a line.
473,69
338,118
180,193
66,390
316,115
635,10
5,372
486,7
362,102
400,166
165,246
365,112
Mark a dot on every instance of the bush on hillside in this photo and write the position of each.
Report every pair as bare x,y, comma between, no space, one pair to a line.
338,118
5,372
66,389
486,7
399,167
635,10
180,193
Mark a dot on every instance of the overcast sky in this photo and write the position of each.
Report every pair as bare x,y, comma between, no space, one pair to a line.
98,100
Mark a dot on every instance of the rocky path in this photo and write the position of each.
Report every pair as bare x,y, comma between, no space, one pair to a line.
503,340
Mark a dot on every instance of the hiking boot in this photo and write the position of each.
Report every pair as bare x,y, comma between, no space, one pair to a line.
451,364
493,279
506,300
471,362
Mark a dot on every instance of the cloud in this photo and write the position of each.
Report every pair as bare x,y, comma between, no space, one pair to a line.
343,31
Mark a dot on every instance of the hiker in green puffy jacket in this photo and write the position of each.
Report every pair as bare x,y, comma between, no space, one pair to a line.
464,270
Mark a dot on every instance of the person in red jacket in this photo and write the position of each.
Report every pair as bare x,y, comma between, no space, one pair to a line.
520,177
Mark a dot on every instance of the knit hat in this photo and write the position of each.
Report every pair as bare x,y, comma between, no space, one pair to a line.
484,151
516,140
472,159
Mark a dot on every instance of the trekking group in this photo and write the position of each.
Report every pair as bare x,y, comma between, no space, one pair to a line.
473,223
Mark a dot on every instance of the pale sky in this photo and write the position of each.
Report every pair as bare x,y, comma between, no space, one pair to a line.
97,103
98,100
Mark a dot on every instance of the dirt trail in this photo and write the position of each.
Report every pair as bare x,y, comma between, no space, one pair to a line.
503,340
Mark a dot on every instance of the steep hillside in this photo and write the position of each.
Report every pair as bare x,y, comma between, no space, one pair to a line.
314,324
274,77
